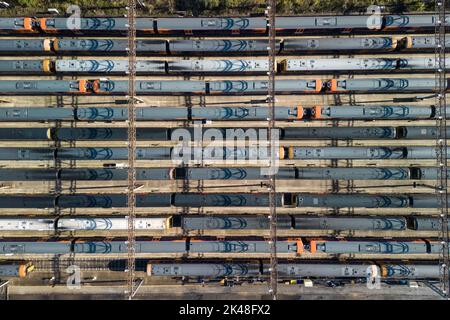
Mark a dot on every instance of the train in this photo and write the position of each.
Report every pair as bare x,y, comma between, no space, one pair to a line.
224,222
194,200
222,173
166,134
297,246
257,270
224,66
72,224
298,113
75,46
384,85
220,26
15,269
174,87
187,154
224,87
353,65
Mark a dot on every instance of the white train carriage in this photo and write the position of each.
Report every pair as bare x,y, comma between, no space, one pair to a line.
222,66
81,223
352,64
107,66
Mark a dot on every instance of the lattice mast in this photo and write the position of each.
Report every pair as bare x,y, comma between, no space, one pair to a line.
273,285
441,142
131,196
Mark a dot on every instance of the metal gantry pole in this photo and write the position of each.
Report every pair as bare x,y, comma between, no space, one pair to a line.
273,286
441,142
131,195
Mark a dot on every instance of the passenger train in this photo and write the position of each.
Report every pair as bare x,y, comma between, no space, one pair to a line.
220,26
168,134
260,270
224,66
222,222
288,46
383,112
194,247
173,87
222,173
224,87
194,200
188,154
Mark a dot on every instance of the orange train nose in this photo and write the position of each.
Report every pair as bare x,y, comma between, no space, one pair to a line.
27,24
282,153
82,86
319,85
333,85
43,24
317,112
313,246
291,153
299,112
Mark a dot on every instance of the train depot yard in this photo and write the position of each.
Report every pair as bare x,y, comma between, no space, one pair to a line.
253,157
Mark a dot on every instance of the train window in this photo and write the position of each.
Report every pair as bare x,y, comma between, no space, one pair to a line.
311,84
264,85
152,85
197,65
26,85
19,23
50,22
366,43
313,43
197,44
326,21
209,23
23,154
372,248
14,113
14,248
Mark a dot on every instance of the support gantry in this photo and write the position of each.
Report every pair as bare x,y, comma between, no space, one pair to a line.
131,186
271,11
441,142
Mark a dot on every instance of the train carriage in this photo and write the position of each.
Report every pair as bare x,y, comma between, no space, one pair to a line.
384,85
332,65
373,247
15,269
373,112
108,66
91,25
318,24
218,66
160,134
26,46
323,45
421,43
219,46
37,87
295,270
22,25
211,26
